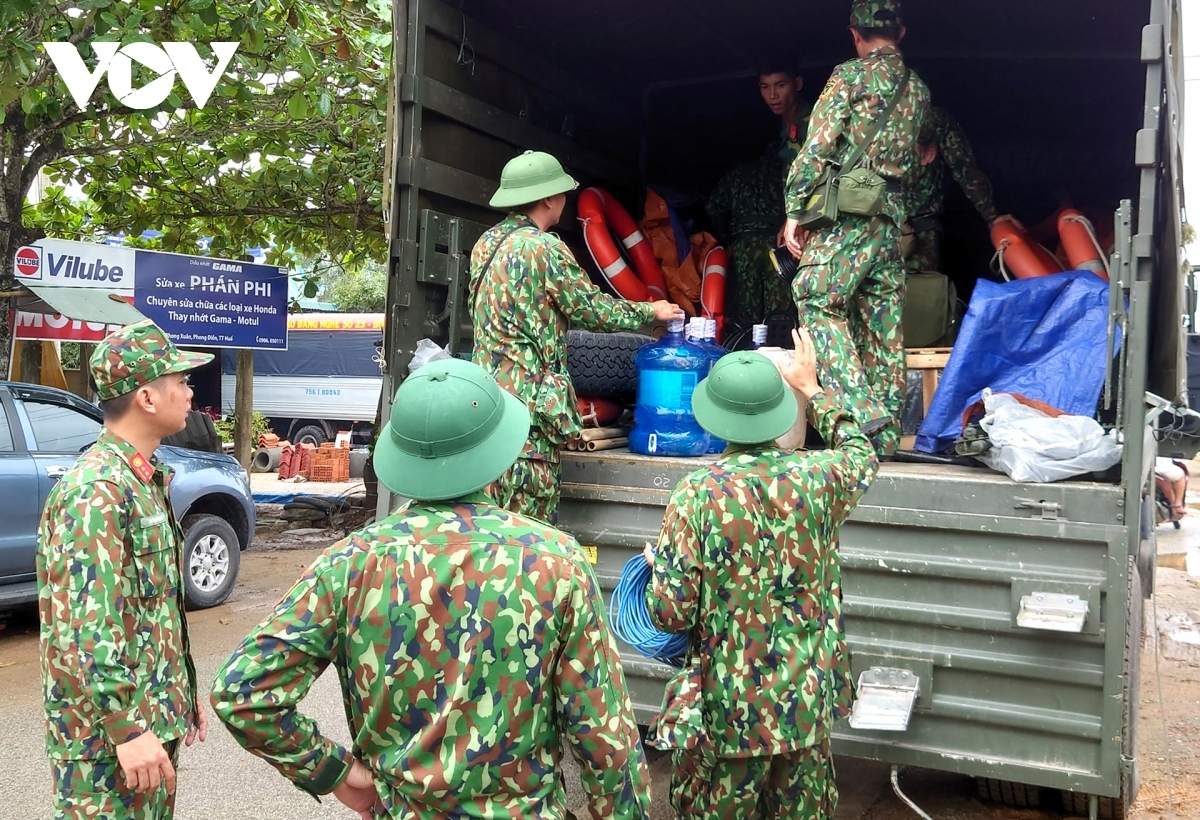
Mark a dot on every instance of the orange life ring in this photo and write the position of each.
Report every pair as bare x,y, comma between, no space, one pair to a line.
712,287
600,412
1020,254
1080,243
602,218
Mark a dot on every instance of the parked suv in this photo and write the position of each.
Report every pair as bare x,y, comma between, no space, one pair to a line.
43,431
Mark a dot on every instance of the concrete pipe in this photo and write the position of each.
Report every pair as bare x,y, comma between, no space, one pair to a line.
266,459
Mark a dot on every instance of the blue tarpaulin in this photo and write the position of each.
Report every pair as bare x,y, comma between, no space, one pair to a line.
1044,338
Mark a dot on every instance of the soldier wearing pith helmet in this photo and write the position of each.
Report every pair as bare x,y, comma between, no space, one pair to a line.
526,290
747,565
120,686
470,641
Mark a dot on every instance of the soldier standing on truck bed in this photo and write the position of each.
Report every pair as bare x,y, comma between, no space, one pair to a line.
469,641
747,563
746,207
525,288
849,288
943,140
120,687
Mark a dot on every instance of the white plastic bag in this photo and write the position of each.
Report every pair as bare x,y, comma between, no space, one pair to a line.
427,351
1028,445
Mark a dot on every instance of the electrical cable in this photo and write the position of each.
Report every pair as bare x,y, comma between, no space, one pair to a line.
630,618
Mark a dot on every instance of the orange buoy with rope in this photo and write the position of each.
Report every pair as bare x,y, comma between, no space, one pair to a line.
1080,243
600,412
1016,252
603,218
712,287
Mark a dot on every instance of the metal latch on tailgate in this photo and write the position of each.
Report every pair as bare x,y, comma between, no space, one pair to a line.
1049,510
885,699
1052,611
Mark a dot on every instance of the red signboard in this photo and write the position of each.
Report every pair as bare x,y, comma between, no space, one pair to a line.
55,328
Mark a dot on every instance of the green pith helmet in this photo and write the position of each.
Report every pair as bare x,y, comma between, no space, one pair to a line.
138,354
453,431
529,177
876,13
744,400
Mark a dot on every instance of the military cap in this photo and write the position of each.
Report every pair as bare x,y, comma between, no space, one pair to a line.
452,431
138,354
529,177
876,13
744,400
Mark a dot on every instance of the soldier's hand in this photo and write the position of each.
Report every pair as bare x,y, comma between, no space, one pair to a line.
794,237
664,311
648,553
199,727
802,375
146,764
358,792
781,236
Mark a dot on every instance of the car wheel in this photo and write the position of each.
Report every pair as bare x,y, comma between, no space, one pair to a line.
312,434
211,557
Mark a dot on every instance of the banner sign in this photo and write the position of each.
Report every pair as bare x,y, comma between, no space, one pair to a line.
197,300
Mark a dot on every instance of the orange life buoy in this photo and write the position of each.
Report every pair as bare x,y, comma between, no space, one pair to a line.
1080,243
1020,254
601,214
712,287
600,412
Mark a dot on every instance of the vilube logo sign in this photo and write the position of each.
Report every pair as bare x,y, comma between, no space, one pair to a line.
117,60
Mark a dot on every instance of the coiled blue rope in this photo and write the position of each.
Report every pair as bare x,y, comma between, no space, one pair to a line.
631,619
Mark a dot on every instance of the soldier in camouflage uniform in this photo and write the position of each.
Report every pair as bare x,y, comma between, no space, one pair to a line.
747,564
746,207
943,139
850,285
118,679
525,288
469,641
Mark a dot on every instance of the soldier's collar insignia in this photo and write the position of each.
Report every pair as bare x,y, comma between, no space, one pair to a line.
141,467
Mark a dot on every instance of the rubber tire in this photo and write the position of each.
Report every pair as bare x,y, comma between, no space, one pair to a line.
1009,793
602,364
1116,808
313,431
196,527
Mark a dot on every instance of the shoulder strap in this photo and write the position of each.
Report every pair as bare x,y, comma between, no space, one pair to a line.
857,153
491,257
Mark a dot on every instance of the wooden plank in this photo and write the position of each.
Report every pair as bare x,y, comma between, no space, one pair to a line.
929,383
926,361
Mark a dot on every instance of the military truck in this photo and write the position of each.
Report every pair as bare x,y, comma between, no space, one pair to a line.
1006,615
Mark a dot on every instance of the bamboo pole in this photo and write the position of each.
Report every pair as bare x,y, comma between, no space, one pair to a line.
606,444
600,433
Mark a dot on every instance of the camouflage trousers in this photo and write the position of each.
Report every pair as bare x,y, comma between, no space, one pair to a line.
530,487
796,785
95,789
753,289
849,292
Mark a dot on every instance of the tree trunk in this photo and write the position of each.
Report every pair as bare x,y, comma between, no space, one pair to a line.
243,409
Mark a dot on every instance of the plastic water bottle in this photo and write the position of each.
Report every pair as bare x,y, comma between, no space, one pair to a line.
668,372
715,352
758,336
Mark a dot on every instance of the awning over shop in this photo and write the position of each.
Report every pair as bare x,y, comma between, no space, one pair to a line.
85,304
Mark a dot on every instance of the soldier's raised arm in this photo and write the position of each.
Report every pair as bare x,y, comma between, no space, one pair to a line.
960,159
569,286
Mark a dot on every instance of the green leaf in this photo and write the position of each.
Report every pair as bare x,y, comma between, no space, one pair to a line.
324,104
311,289
297,106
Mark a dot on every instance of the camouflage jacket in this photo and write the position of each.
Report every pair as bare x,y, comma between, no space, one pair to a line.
748,201
792,134
748,563
954,152
520,309
854,97
114,645
468,641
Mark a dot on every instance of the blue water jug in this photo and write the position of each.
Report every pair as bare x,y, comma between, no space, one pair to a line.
709,342
668,372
